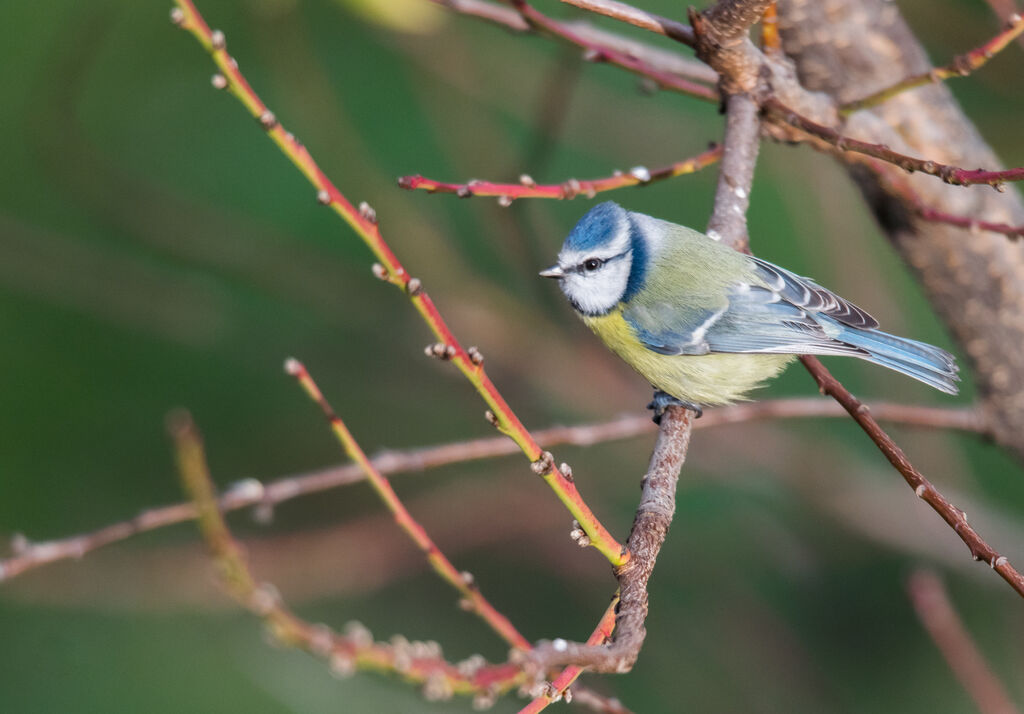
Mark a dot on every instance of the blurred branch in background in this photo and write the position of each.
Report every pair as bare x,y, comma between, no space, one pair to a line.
252,493
937,615
419,662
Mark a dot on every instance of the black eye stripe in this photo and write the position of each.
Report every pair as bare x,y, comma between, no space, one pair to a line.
585,266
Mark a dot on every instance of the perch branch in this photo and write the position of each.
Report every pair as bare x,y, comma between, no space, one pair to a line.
956,518
364,222
528,188
961,66
251,492
653,517
463,582
419,662
935,611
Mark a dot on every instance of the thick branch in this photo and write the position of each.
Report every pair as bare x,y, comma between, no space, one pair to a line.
653,517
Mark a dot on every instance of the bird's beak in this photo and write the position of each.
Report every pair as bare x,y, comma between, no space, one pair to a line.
555,271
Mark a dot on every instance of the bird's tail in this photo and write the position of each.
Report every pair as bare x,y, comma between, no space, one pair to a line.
931,365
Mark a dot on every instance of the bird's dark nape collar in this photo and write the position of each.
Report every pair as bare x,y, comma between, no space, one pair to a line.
638,270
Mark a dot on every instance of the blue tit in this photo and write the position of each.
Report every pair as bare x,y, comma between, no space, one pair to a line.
705,324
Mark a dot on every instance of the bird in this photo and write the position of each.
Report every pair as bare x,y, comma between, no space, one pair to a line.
705,324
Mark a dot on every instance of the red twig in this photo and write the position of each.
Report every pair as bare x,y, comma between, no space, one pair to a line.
528,188
776,110
252,493
905,191
364,223
599,53
463,582
956,518
961,66
937,615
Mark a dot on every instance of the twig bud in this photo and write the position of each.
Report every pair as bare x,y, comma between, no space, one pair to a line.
482,701
357,633
463,192
178,16
504,201
440,350
342,664
437,688
323,197
217,40
492,419
414,287
264,599
267,120
468,579
592,55
527,180
379,271
566,471
640,173
219,81
475,356
367,212
542,465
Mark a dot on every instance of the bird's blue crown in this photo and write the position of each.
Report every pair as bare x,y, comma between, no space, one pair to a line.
596,227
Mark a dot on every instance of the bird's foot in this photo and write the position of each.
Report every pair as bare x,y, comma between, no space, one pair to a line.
664,400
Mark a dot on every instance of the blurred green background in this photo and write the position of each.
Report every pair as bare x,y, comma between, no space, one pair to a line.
157,251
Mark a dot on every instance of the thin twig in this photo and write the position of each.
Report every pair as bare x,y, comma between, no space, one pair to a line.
938,616
463,582
961,66
776,110
956,518
902,188
364,222
528,188
637,17
600,53
420,662
251,492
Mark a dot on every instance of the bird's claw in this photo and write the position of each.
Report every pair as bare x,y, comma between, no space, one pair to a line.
663,400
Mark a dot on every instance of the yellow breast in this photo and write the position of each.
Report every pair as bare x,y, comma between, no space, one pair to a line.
701,379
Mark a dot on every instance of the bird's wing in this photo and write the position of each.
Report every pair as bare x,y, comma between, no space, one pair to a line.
807,294
774,312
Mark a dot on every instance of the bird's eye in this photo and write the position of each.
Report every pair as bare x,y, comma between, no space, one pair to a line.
591,264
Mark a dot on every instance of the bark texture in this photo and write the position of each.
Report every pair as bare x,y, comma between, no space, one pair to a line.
975,279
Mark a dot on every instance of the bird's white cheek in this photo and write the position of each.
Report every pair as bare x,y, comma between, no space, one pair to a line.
597,293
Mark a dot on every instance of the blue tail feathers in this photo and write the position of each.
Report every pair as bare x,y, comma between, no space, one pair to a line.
931,365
